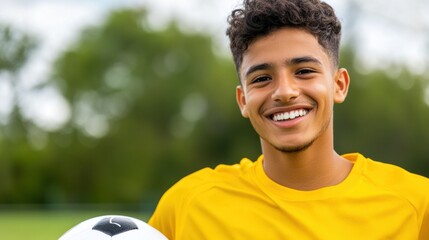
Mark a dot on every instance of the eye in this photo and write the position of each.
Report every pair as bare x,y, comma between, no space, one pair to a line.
261,79
305,71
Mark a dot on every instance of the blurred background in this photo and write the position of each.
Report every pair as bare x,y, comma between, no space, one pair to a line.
106,104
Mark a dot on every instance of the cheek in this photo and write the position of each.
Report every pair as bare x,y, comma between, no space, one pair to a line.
252,99
257,99
322,92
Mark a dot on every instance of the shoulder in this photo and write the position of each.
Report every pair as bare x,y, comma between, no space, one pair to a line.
207,178
395,176
176,202
410,187
388,175
182,193
398,181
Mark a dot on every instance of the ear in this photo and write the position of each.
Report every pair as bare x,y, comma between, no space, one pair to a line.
241,101
341,85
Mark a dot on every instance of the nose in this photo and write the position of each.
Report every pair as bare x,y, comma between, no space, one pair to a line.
285,89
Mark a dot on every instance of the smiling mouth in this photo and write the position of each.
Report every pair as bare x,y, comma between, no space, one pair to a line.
284,116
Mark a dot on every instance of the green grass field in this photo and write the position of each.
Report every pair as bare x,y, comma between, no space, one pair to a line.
45,225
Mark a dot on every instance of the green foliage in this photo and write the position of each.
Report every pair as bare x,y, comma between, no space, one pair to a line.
15,48
149,106
385,117
18,163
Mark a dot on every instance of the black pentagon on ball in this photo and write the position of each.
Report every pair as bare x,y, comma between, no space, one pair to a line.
115,225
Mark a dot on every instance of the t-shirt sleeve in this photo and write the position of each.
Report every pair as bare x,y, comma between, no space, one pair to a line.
164,216
424,228
171,208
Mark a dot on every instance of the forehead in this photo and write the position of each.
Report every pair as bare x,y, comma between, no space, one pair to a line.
281,45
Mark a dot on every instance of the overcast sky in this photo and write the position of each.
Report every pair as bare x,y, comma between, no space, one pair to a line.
393,32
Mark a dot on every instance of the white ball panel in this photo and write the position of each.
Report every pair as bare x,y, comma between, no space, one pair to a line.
84,231
90,235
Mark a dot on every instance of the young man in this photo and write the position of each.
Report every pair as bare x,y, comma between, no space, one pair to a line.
286,56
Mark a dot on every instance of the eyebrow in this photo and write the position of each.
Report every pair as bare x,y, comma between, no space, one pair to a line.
305,59
288,62
254,68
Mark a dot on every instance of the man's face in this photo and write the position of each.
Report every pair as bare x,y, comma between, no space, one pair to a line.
288,89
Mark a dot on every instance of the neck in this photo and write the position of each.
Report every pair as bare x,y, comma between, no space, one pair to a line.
313,168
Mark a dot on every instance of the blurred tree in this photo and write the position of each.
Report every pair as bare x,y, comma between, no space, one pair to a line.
15,50
149,106
16,154
385,116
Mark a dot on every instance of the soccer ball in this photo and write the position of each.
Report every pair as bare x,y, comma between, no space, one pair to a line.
114,227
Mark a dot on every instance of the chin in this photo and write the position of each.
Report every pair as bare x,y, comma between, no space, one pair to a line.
294,148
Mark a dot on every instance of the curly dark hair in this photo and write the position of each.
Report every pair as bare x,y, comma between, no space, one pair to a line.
259,18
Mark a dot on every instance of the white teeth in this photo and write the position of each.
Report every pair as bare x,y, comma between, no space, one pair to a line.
289,115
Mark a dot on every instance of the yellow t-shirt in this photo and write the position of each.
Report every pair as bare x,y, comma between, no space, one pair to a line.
376,201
